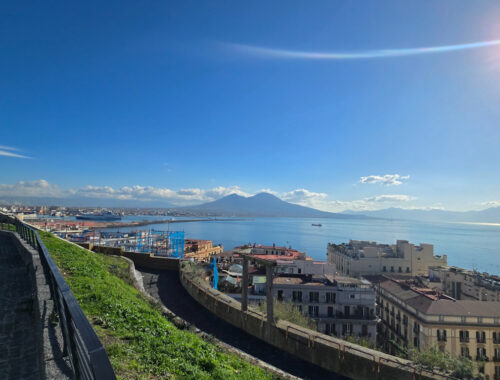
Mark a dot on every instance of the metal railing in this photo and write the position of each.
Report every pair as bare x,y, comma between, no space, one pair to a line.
86,354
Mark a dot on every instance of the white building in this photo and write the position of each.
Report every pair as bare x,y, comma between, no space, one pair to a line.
364,258
341,306
304,267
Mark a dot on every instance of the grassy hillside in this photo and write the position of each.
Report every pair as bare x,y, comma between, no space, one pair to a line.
140,342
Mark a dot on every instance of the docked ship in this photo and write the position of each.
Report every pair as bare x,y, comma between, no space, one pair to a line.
106,216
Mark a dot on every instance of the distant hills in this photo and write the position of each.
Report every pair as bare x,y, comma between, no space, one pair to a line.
263,204
490,215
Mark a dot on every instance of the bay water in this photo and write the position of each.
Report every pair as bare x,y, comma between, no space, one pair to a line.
470,246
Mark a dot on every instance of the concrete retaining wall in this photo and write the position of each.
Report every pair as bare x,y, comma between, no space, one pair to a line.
332,354
143,260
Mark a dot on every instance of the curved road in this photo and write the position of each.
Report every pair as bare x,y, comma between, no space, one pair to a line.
166,287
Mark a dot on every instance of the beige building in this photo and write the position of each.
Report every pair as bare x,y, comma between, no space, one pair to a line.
365,258
465,284
412,316
200,250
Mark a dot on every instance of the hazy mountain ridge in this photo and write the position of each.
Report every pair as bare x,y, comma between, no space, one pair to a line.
490,215
263,204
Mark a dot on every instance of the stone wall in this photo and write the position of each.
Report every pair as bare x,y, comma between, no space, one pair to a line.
332,354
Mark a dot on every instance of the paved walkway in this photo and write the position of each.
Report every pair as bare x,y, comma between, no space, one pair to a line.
19,349
166,287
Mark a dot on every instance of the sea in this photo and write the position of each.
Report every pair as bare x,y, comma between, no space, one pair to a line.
468,245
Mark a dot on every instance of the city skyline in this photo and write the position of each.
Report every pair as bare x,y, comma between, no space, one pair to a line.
186,106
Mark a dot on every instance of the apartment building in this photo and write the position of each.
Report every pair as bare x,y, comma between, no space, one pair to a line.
465,284
365,258
304,267
199,249
412,316
341,306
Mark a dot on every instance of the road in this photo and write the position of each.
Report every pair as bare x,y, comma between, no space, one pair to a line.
166,287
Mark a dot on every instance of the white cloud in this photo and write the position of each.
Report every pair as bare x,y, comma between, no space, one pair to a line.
387,179
304,197
9,151
38,188
190,196
389,198
491,203
42,188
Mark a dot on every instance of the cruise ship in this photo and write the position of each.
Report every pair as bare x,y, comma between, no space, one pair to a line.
107,216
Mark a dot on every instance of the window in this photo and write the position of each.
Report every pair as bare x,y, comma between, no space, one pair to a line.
441,335
392,269
346,328
347,311
297,296
331,297
416,328
496,337
400,269
299,271
416,342
280,295
364,330
497,354
480,337
384,269
464,350
405,320
313,296
464,335
330,311
407,269
313,311
481,353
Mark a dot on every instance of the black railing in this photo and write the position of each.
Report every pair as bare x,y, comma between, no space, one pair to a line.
81,345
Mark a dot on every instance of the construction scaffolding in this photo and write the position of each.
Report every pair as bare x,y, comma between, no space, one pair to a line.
159,243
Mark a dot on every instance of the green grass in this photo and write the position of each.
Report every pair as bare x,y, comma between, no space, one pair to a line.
140,342
7,227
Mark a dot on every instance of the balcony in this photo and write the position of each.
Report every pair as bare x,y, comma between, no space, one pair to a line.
496,359
496,340
416,330
341,315
464,339
481,358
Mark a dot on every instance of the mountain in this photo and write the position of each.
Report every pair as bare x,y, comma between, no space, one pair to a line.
490,215
262,204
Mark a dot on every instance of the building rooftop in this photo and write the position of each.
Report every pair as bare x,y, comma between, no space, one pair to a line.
432,302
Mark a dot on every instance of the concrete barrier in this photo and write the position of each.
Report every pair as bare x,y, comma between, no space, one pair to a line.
330,353
144,260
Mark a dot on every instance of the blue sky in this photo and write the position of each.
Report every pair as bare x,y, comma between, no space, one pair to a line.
158,100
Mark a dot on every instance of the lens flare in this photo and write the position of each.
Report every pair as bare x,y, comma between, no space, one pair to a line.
364,54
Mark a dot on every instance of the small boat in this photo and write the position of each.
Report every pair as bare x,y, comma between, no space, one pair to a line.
316,225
